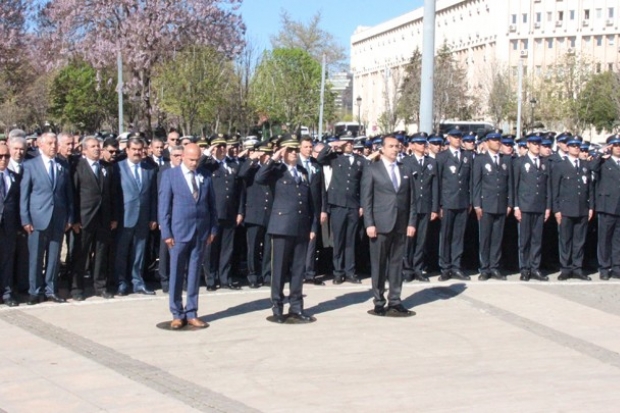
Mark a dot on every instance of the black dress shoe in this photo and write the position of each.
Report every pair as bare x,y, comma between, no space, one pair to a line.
498,275
564,276
399,308
79,297
380,310
537,275
279,318
338,280
581,276
232,286
604,275
354,280
11,302
458,275
165,289
56,299
525,275
33,299
267,281
484,276
211,288
303,317
144,291
314,281
445,276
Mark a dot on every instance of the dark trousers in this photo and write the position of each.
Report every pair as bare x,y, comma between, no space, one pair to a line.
259,251
130,256
386,256
451,238
530,240
288,259
91,240
344,224
20,262
44,246
185,256
310,267
550,252
7,256
164,265
572,235
415,247
218,255
491,234
609,243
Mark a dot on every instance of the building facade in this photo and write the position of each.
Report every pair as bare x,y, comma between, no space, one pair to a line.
484,35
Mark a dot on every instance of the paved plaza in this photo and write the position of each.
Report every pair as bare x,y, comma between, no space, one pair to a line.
472,347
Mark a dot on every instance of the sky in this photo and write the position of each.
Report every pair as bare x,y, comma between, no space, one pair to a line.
339,17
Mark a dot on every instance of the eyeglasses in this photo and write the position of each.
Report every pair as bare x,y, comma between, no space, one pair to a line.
112,151
6,156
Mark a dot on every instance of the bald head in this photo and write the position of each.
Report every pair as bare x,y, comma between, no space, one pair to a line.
191,156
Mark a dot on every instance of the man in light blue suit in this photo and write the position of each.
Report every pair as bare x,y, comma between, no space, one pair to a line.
46,209
188,220
136,212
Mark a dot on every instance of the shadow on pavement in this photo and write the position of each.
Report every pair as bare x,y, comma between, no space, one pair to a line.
430,295
245,308
341,301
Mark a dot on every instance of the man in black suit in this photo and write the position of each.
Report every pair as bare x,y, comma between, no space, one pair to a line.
315,178
93,197
607,169
388,200
258,202
18,147
293,222
532,206
427,205
9,225
492,201
343,199
230,203
454,177
573,206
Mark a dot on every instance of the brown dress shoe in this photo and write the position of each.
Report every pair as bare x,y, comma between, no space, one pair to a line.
176,324
197,323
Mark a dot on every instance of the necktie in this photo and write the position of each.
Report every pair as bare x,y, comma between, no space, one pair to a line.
536,162
457,153
307,165
495,160
51,172
2,185
136,174
194,186
96,170
576,164
295,174
393,176
421,161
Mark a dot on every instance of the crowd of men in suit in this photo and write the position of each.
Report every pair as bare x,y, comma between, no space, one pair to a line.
397,207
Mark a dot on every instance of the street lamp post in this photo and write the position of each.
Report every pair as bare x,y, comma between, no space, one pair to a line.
533,103
359,117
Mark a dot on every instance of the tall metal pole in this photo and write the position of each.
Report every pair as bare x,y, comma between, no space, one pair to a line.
119,87
519,97
428,67
322,99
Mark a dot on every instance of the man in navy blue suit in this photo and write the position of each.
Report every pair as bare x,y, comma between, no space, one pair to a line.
46,209
188,220
9,225
135,211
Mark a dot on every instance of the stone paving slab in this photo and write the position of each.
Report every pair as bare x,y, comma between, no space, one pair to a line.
484,347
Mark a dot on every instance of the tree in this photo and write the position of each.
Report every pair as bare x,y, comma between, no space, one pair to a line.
408,107
500,94
286,88
80,99
597,103
392,81
145,32
309,37
192,86
450,90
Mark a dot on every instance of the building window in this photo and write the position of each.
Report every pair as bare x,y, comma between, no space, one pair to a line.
571,14
524,15
599,40
525,44
610,13
598,68
586,14
572,42
549,16
549,43
586,40
610,67
514,44
538,70
513,19
538,17
561,16
599,14
611,40
538,43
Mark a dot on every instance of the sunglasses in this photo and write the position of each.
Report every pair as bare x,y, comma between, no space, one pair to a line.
585,150
616,145
7,156
113,151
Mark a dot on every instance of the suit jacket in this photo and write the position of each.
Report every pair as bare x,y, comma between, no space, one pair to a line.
40,202
180,215
455,179
344,186
426,183
258,197
9,205
317,187
492,184
385,208
229,191
93,195
572,188
292,213
135,205
532,186
607,177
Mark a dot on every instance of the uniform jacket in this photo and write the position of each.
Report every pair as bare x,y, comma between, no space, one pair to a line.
532,185
426,183
258,197
573,191
344,187
492,184
229,188
607,185
455,179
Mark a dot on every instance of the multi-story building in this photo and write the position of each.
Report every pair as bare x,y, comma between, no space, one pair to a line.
485,35
341,85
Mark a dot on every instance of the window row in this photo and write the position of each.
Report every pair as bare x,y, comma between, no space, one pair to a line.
599,13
